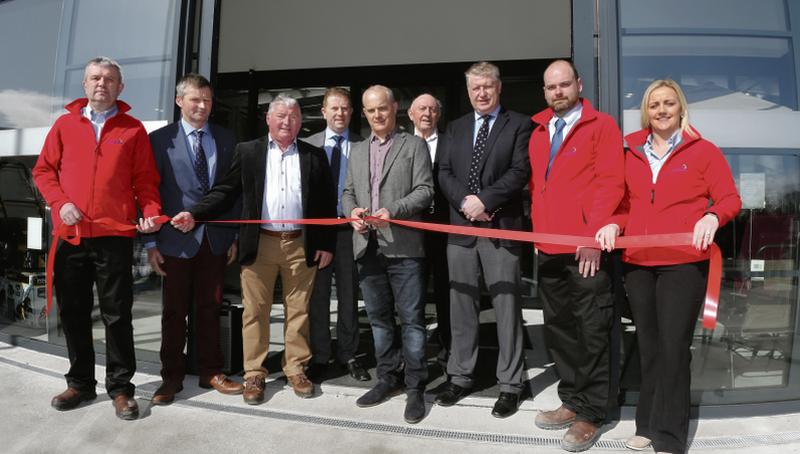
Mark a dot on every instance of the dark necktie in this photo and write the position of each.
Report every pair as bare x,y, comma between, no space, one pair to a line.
473,182
555,144
336,162
200,162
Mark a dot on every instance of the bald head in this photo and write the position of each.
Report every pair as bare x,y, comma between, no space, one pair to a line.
380,108
424,113
562,86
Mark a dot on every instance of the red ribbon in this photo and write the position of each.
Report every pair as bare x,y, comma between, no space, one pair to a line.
71,234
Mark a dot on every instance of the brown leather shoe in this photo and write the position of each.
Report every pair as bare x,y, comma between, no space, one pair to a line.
302,385
557,419
581,436
71,398
254,390
165,394
125,407
221,383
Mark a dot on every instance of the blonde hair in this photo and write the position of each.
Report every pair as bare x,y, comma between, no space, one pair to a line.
669,83
483,69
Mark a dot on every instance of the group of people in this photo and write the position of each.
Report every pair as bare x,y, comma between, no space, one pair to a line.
97,162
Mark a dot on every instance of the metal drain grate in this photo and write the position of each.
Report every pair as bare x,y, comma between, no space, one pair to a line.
732,442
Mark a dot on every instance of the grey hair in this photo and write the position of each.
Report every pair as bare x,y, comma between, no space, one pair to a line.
191,80
438,103
105,61
282,98
483,69
385,89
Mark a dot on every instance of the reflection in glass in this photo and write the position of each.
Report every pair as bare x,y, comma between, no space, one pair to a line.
736,64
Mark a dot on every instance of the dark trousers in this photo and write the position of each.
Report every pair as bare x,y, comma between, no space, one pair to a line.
194,281
319,313
106,262
388,285
500,269
665,301
436,263
578,315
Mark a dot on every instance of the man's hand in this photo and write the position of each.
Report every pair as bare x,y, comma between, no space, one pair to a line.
382,215
359,225
606,236
183,221
324,258
70,214
156,259
232,251
473,208
588,261
148,225
704,231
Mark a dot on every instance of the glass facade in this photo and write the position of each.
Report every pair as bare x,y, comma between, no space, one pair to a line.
738,67
738,64
41,73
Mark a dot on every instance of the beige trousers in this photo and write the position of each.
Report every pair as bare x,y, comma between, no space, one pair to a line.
276,257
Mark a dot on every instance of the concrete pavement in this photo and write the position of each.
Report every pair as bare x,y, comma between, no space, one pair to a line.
205,421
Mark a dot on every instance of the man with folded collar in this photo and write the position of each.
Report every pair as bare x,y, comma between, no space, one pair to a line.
191,155
389,177
273,175
483,169
337,141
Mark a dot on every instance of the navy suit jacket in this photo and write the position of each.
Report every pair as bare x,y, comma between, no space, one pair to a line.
180,190
504,170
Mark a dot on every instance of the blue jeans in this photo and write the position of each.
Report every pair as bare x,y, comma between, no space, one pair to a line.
388,285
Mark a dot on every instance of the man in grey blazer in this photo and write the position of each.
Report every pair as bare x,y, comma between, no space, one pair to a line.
337,141
191,155
389,177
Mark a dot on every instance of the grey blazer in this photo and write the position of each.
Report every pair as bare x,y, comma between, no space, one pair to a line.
406,190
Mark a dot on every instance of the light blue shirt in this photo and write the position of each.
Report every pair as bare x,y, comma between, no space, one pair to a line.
479,122
209,147
655,162
98,119
570,118
328,145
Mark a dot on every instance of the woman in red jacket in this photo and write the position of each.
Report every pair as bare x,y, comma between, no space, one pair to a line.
676,182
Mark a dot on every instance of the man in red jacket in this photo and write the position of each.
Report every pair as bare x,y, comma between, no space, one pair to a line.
577,181
97,163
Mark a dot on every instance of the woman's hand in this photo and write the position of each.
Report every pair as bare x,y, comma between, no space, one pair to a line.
606,237
704,231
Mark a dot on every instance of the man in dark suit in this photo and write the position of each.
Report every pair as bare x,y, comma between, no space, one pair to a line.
389,177
424,112
483,169
336,140
191,155
273,175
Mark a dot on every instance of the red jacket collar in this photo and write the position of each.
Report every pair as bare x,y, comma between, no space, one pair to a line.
76,106
587,114
638,138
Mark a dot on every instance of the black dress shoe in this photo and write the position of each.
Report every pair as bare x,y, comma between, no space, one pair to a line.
357,371
506,405
452,393
379,394
71,398
415,406
316,372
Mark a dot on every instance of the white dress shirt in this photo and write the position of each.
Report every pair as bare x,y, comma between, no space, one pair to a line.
432,141
282,187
